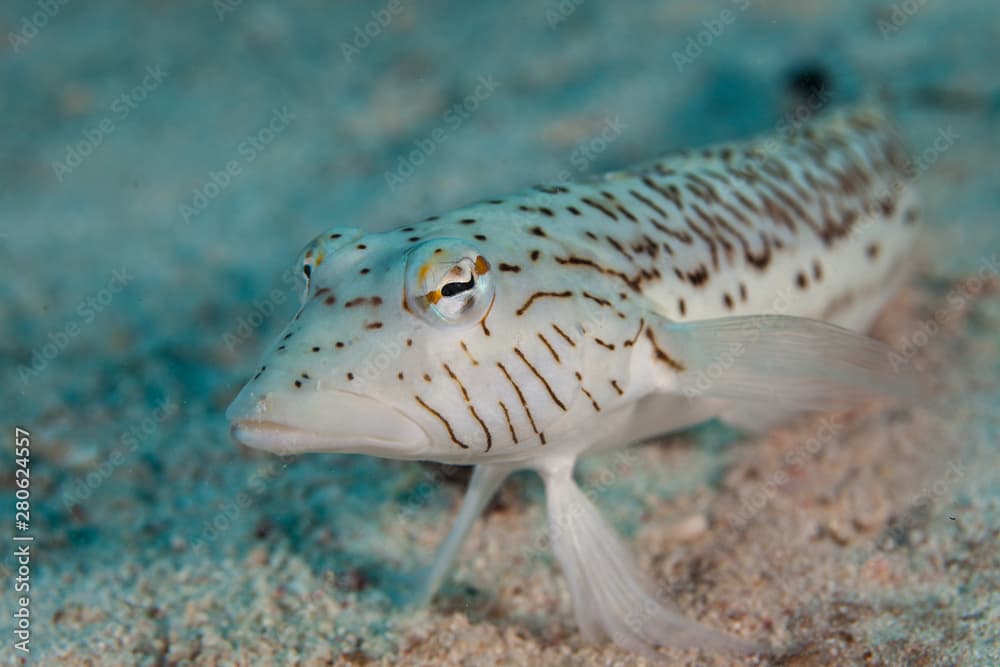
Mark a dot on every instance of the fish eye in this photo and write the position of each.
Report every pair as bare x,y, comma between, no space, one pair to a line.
448,283
319,249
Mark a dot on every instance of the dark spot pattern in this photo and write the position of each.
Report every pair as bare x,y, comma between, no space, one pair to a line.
695,231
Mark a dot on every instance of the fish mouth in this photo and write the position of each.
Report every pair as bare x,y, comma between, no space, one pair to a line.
283,439
323,421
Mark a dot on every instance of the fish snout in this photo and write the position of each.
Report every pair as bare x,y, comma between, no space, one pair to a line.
314,420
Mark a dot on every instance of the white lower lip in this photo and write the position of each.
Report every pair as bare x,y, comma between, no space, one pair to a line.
286,440
274,437
322,421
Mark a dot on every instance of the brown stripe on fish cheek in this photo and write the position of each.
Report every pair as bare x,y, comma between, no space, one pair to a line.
541,378
562,333
510,424
482,322
597,408
465,348
486,430
539,295
549,347
472,408
520,396
454,377
444,421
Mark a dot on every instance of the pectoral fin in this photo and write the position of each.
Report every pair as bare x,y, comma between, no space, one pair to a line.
794,363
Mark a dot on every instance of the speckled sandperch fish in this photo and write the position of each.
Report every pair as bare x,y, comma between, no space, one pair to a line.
523,332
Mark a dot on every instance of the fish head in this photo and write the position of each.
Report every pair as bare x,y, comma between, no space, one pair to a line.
381,314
